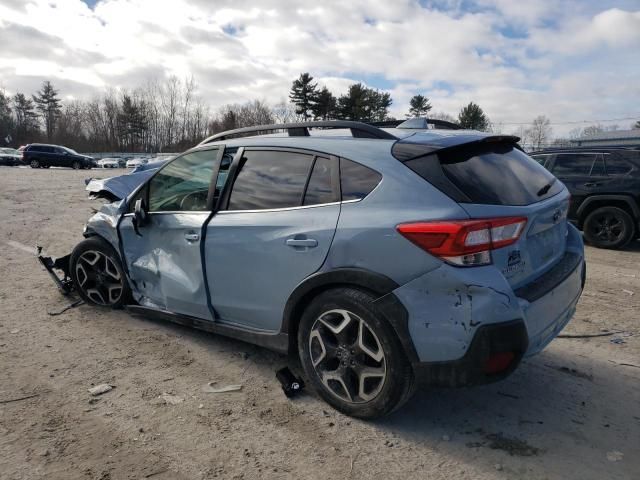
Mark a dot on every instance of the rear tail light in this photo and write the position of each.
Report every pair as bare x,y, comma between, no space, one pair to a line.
464,242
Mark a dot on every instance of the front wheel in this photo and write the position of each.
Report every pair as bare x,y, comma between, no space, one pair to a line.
352,356
98,275
34,163
608,227
76,165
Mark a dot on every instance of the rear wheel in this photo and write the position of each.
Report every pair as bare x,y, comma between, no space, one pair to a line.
76,165
352,356
98,275
35,163
608,227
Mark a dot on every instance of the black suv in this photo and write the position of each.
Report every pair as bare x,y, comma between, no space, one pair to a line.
40,155
605,190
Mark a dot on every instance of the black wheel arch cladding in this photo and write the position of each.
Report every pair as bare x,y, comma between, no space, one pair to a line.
379,285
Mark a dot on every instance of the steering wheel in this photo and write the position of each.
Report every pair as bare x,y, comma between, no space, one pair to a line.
193,201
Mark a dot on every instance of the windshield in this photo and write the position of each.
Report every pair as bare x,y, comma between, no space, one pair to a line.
70,150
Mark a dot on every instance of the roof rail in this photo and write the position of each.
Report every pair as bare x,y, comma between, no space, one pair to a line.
416,123
301,129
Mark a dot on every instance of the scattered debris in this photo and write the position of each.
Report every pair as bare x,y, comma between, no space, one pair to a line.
209,388
170,399
100,389
512,446
618,340
628,292
68,307
291,385
158,472
573,371
15,330
19,398
614,456
588,335
201,405
498,467
509,395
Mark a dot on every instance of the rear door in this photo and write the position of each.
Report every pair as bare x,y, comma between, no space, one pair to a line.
164,260
583,174
277,218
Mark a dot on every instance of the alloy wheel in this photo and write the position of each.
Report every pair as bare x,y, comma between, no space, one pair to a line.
35,164
99,278
608,227
347,356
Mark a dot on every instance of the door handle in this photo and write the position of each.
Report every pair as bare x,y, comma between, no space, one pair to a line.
592,184
302,242
191,237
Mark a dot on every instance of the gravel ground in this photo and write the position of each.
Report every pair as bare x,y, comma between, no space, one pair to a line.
571,412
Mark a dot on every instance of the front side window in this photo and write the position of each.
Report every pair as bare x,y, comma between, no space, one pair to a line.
183,184
573,164
270,179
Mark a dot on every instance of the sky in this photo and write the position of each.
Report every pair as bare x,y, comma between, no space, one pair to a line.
571,60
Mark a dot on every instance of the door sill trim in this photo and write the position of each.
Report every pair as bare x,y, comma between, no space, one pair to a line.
278,342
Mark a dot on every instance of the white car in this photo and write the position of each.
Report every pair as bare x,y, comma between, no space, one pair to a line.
108,163
136,162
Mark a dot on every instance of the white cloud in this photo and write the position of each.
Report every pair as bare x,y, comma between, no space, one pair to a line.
568,60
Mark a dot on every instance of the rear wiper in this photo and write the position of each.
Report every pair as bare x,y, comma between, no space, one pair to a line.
546,188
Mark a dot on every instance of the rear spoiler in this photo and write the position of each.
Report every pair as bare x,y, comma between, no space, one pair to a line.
419,145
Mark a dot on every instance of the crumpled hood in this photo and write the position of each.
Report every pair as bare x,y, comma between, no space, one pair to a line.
116,188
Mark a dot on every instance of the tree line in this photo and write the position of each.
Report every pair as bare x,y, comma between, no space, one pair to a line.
169,116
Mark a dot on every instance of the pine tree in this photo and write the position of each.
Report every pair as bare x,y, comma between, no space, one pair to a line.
354,105
419,106
303,95
131,123
26,117
48,104
472,117
325,106
6,120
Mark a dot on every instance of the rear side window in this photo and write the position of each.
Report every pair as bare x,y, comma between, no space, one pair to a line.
573,164
616,163
320,189
270,179
356,180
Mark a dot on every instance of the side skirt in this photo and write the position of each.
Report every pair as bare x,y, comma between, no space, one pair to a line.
278,342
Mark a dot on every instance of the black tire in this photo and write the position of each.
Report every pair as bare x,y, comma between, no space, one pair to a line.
97,274
344,359
608,227
76,165
35,163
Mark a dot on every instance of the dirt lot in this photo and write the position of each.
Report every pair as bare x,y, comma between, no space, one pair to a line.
571,412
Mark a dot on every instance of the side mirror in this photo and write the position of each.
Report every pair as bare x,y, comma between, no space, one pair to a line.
140,216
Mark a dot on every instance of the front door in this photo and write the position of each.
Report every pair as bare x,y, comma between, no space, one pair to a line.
581,172
276,222
164,259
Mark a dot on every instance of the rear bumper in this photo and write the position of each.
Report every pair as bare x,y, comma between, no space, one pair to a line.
469,370
455,316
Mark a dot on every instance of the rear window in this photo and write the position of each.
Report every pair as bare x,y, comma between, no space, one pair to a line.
498,174
617,163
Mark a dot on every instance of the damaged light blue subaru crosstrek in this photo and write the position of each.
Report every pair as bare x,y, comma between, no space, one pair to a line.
380,256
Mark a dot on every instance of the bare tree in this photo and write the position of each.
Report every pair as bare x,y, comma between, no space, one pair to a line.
540,132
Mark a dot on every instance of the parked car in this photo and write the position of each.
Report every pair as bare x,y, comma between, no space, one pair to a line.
136,162
10,157
605,191
40,155
108,163
404,256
